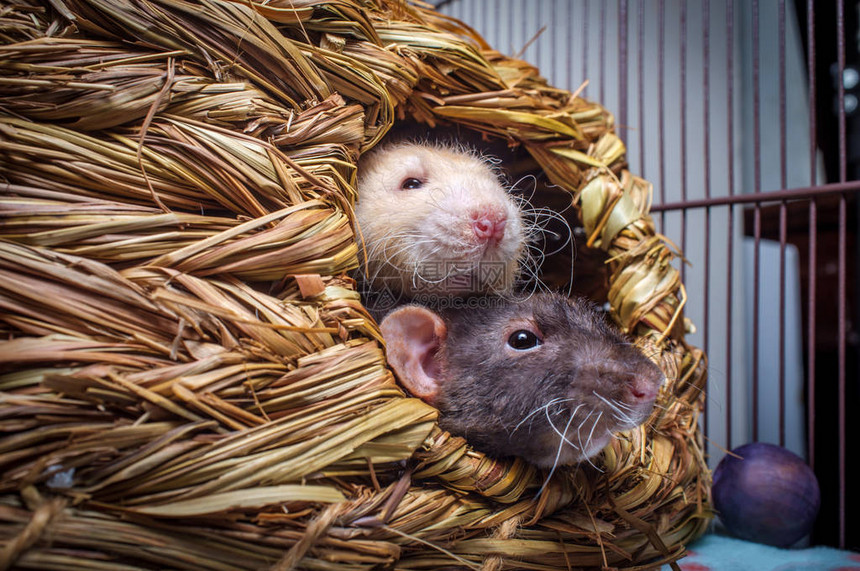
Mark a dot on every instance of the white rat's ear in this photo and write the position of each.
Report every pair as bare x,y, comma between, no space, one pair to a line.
413,336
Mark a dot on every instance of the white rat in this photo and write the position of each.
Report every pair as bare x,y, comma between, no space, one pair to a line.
435,219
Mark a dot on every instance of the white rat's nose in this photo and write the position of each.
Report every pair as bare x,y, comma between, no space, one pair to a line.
489,225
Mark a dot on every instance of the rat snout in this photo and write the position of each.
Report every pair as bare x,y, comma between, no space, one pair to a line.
642,389
488,224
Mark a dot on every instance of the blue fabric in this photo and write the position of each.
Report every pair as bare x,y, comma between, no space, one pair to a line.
721,553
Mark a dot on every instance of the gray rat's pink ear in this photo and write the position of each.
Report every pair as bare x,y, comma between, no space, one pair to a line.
413,336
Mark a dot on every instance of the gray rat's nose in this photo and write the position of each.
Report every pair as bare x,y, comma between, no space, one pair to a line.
642,389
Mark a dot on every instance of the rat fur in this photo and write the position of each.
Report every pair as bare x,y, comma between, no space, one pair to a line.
543,377
434,218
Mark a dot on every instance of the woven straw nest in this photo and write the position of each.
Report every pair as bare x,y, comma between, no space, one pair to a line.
189,379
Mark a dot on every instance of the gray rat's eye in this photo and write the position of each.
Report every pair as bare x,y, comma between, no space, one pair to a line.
522,340
411,184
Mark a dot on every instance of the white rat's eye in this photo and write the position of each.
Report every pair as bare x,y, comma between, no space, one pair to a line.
411,184
523,340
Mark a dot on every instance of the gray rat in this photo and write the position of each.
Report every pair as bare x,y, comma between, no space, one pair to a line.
513,378
434,218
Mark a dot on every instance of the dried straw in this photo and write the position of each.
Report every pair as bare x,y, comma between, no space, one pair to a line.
188,378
